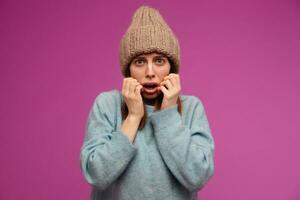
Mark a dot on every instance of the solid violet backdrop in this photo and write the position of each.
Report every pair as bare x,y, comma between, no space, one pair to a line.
241,58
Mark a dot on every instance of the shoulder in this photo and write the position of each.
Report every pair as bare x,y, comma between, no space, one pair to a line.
192,105
110,98
191,101
109,95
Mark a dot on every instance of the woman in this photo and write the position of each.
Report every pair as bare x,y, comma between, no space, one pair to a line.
148,141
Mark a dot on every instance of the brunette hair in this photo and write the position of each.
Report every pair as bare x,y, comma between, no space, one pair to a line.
157,106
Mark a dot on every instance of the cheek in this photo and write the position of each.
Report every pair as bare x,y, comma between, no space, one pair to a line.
137,74
163,72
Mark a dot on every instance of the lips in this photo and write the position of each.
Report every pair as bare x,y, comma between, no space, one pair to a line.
150,87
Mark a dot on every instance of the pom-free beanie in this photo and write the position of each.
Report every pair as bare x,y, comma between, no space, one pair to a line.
148,33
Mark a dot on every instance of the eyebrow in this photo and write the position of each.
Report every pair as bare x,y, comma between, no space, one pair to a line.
156,56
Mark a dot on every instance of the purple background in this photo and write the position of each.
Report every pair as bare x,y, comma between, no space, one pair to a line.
240,57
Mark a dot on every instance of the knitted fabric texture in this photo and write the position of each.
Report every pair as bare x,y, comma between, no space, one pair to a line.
148,33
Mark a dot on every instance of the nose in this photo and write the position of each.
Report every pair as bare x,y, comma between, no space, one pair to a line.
150,72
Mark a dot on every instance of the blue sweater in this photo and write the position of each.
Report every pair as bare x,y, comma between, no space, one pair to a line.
170,158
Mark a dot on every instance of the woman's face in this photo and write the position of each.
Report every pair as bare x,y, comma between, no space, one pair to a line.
150,70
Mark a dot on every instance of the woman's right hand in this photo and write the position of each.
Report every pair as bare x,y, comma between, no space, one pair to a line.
131,92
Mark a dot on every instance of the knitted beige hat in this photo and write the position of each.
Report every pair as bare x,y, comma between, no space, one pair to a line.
147,33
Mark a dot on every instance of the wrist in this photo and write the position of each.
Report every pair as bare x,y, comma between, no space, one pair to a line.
168,104
134,118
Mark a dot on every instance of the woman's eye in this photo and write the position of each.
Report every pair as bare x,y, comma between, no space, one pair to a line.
160,61
139,62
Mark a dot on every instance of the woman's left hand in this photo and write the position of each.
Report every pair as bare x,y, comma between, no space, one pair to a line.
171,88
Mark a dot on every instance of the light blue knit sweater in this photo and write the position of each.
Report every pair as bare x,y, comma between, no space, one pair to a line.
171,158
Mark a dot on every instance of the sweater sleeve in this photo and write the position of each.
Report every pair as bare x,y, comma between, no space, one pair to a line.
105,153
186,149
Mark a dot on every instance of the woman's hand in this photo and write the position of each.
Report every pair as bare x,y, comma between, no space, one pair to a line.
171,89
131,92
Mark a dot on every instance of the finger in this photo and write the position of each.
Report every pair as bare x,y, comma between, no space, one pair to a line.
175,82
125,86
174,78
170,76
166,77
178,82
164,90
132,86
138,89
168,84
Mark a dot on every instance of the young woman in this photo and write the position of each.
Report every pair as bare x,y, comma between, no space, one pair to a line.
148,141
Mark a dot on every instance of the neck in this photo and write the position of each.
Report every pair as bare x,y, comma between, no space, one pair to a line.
150,102
154,102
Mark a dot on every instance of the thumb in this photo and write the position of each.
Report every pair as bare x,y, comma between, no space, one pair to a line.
138,89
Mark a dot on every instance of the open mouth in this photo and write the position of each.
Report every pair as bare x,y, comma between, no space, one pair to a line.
150,87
